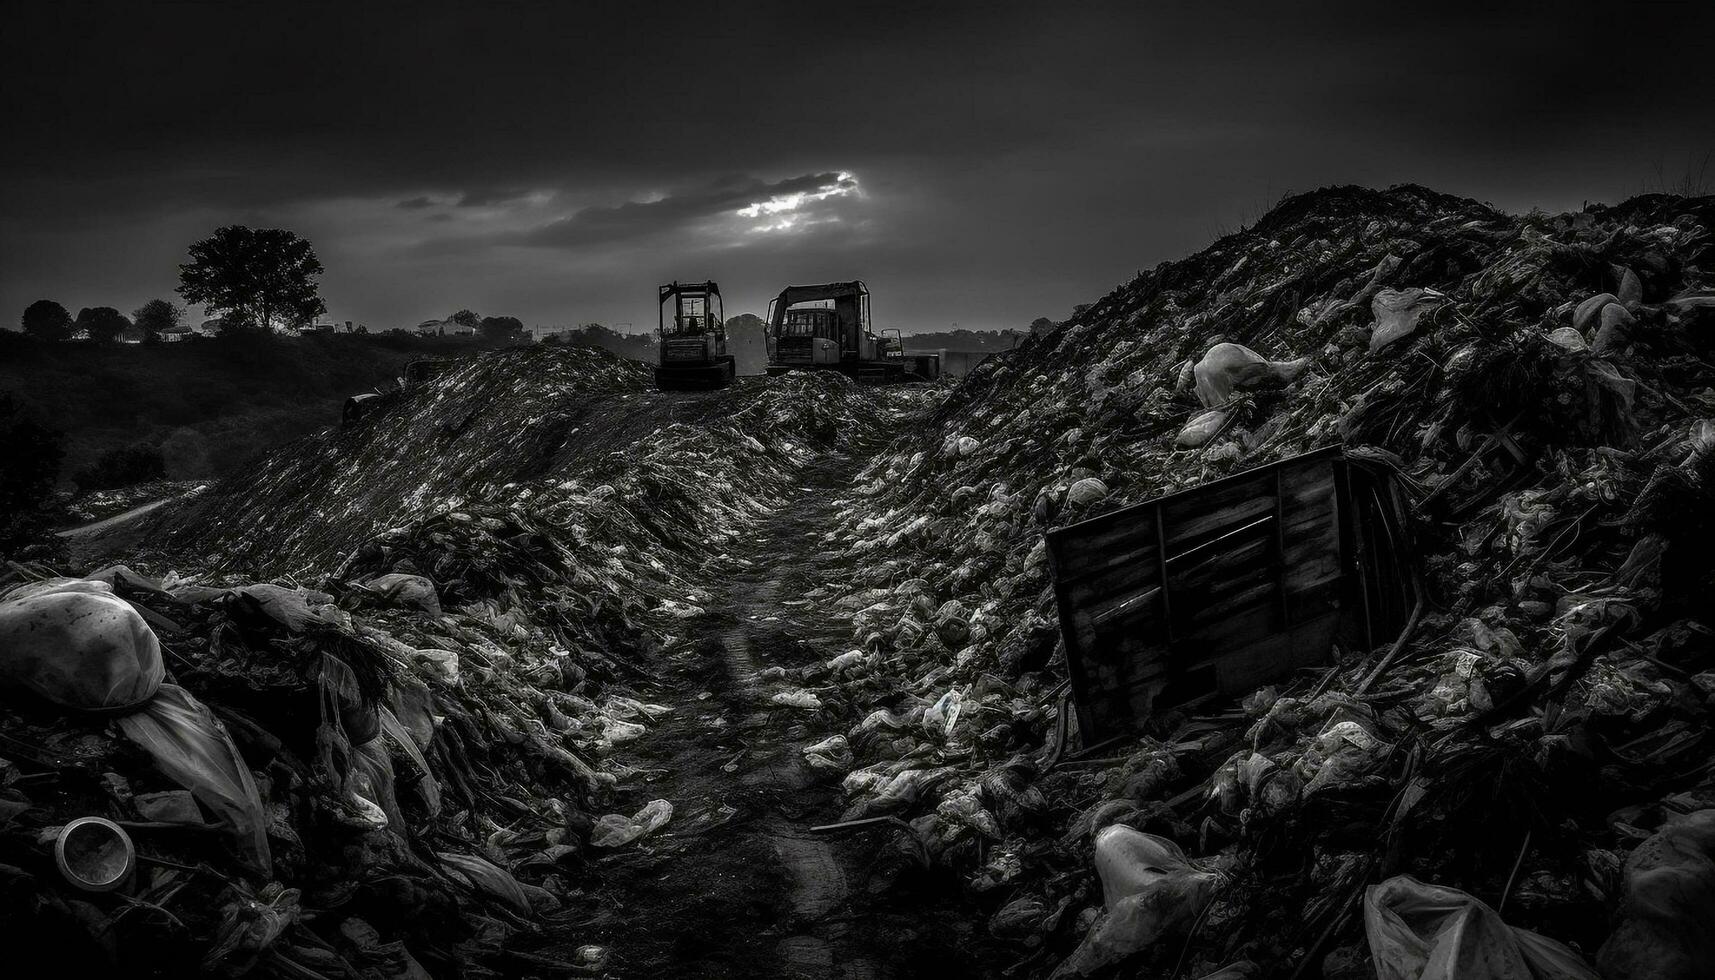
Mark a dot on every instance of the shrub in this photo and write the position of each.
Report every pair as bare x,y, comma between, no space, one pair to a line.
122,467
32,453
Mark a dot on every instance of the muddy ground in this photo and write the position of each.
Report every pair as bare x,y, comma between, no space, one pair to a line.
738,884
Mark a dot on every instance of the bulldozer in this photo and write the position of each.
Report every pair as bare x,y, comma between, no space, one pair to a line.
827,328
693,343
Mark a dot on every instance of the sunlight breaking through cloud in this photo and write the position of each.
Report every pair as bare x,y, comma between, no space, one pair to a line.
789,207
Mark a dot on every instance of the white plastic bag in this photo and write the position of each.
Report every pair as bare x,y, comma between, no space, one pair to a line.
76,644
1151,889
192,748
1429,932
618,830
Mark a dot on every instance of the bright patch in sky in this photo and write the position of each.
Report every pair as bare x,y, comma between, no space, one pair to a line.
785,204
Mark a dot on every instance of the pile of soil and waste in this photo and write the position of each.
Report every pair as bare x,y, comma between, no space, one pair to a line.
1541,387
533,670
401,756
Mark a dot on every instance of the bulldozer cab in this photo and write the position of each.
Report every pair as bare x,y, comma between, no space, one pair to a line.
836,311
696,309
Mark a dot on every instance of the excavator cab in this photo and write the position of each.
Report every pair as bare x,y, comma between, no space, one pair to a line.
827,328
892,344
693,338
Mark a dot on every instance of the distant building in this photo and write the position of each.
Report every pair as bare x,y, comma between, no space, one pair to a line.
444,328
177,332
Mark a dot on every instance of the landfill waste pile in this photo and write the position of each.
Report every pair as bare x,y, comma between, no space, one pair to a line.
1526,774
405,698
371,730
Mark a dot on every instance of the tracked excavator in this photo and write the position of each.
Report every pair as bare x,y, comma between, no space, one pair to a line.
827,328
693,340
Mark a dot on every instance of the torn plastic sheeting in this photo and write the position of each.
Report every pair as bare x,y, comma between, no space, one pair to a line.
797,698
1228,368
832,754
1150,889
1202,428
427,784
249,927
193,749
1344,753
299,610
1419,931
940,717
487,877
443,665
618,830
1667,902
413,708
890,793
1397,312
1589,311
1615,329
371,777
407,590
1568,338
76,644
351,751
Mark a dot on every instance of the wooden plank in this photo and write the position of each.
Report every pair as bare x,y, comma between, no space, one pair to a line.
1115,582
1191,530
1094,564
1191,581
1213,546
1137,603
1276,654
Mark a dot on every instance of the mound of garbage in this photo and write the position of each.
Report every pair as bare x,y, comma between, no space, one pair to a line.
1541,388
392,759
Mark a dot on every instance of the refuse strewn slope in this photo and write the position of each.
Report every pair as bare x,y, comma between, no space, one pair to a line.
1561,668
438,737
533,563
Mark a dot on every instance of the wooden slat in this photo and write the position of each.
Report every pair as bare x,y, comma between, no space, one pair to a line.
1186,533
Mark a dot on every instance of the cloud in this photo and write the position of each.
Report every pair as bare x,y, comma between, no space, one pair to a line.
415,203
489,196
732,197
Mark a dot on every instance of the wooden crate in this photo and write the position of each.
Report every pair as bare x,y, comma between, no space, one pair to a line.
1226,586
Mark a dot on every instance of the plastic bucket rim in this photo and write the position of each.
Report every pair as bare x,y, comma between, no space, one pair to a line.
74,875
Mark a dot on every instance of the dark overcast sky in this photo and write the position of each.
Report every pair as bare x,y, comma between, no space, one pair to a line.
982,164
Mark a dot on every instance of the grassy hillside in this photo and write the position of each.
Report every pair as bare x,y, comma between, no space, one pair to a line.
208,404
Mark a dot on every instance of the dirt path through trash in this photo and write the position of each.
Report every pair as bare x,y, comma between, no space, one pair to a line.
117,519
738,884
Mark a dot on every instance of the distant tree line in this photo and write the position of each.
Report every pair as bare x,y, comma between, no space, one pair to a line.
253,281
47,320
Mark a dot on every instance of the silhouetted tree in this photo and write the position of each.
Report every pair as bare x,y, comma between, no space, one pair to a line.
466,318
155,316
47,320
258,278
104,323
501,327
